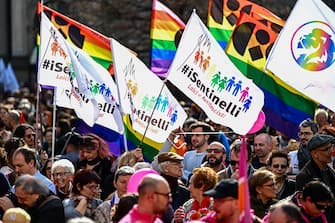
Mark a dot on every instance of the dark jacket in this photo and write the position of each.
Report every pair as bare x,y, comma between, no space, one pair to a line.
180,194
288,189
260,209
303,156
312,172
48,210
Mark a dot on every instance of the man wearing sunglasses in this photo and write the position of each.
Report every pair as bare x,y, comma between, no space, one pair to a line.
215,157
232,170
314,202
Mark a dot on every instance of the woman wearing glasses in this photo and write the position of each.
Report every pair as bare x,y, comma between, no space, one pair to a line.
62,173
278,164
83,201
262,191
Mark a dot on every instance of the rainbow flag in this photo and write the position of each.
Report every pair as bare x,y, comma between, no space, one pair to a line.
223,16
166,27
92,42
284,107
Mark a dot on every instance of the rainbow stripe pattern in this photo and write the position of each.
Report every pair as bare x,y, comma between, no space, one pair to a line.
224,14
92,42
284,107
166,27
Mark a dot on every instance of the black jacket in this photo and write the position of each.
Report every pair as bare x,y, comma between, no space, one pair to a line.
47,210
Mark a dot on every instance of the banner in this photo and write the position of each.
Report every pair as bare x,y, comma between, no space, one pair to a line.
154,110
85,85
203,72
165,27
303,55
249,46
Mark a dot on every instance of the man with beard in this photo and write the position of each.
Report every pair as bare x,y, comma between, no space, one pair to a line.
216,155
200,139
308,128
154,198
262,147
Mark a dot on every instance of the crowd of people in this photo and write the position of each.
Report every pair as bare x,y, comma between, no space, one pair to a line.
290,180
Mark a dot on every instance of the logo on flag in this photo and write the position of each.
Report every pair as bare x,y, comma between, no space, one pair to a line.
313,46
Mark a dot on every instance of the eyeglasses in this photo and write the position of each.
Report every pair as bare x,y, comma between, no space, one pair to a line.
321,206
60,174
167,195
305,133
233,162
276,166
93,187
214,150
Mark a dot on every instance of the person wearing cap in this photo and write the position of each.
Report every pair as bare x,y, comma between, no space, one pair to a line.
225,208
16,215
321,148
171,168
216,156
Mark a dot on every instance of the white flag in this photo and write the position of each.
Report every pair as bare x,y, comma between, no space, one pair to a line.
304,53
139,92
203,71
88,88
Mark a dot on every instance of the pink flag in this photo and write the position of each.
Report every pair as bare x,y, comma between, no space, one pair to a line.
243,189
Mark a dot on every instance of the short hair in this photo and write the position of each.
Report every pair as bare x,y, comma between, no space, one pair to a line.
204,177
291,211
28,154
125,204
66,164
84,177
124,171
21,130
317,191
149,183
126,159
278,154
310,123
205,128
236,147
259,177
32,185
319,111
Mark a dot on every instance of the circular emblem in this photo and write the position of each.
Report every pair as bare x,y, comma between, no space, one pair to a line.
313,46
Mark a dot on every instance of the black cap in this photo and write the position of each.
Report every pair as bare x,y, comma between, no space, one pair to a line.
319,140
225,188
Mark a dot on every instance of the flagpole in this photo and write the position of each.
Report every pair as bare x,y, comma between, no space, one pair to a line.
152,113
53,127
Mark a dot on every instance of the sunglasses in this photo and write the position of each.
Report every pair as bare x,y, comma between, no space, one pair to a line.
276,166
233,162
321,206
215,150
